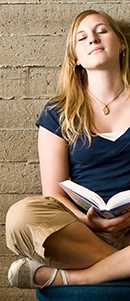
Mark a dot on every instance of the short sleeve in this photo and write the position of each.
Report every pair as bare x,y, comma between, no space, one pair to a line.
49,119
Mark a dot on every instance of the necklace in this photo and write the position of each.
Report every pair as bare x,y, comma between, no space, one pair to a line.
106,108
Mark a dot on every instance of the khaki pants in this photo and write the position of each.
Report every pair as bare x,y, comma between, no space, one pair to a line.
30,221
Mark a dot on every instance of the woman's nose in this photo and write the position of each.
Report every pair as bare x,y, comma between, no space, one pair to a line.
93,39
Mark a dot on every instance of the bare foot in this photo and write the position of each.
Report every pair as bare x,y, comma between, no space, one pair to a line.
43,274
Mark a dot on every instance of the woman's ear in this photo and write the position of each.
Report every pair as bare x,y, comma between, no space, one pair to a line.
123,50
123,47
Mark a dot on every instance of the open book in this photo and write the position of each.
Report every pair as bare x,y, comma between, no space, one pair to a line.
85,198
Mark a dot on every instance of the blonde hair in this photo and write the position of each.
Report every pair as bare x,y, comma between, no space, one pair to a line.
72,101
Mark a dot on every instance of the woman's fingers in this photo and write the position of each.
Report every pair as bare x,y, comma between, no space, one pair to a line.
94,220
115,224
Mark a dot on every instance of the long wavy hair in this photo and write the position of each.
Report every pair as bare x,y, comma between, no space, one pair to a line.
72,101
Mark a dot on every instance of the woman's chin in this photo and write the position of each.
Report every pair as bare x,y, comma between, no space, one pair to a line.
100,63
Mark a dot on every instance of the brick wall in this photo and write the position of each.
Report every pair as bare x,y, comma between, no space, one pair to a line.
32,39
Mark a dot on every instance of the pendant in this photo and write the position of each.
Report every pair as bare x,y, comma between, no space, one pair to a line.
106,110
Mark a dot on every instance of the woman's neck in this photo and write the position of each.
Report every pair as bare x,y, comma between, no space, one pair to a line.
104,84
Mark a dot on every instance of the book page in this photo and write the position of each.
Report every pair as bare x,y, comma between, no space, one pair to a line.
84,193
80,200
120,210
118,199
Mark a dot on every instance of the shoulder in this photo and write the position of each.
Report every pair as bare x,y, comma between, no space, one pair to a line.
49,118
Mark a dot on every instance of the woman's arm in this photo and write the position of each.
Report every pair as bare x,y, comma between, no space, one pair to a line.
54,167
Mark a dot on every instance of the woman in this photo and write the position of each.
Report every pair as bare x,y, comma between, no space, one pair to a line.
83,135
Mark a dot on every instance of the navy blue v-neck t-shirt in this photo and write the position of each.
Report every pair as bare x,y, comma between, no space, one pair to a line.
103,167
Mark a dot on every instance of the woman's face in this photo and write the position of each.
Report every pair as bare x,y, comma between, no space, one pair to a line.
97,45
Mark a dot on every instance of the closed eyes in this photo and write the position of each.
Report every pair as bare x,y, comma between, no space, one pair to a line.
102,31
83,38
98,32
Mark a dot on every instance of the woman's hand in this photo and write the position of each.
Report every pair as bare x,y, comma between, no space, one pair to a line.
95,222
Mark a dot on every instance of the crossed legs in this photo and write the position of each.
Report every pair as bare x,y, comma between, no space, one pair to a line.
41,227
75,247
87,259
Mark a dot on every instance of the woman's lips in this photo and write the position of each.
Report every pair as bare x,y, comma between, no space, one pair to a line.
96,50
